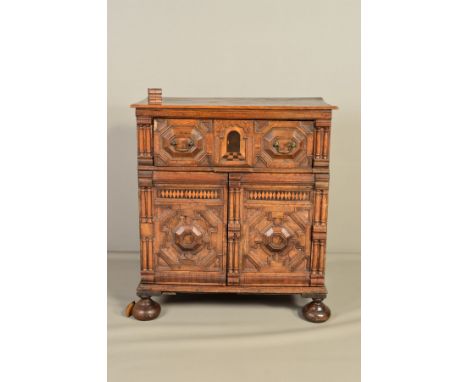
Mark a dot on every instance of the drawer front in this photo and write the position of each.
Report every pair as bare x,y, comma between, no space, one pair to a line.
190,228
276,226
183,142
234,143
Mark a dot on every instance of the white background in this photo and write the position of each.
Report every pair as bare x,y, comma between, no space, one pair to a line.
53,207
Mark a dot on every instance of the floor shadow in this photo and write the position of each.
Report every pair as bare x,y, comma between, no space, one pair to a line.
288,301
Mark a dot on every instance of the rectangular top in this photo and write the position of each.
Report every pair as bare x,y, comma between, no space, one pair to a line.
315,103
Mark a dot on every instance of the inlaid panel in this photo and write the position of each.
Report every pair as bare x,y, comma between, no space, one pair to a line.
233,143
190,228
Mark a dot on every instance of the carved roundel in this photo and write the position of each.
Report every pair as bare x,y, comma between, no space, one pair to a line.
276,238
188,237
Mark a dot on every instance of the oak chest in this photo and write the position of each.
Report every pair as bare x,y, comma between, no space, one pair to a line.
233,198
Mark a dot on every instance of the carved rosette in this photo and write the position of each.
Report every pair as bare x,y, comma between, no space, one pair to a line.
189,238
276,239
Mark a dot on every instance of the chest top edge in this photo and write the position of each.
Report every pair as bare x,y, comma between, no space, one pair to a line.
242,103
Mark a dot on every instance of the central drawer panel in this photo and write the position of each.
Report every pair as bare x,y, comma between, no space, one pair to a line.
233,143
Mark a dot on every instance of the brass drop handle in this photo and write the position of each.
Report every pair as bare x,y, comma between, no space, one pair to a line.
182,144
284,148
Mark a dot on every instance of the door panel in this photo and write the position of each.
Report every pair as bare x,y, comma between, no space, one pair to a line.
190,228
275,226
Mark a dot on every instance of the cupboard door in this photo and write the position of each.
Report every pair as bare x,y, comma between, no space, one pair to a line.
190,228
275,229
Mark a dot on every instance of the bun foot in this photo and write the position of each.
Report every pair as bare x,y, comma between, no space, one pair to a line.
146,309
316,311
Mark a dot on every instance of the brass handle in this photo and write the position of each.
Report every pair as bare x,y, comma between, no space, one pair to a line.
182,144
284,148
